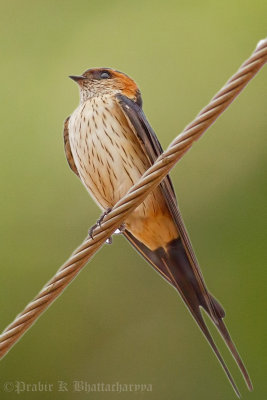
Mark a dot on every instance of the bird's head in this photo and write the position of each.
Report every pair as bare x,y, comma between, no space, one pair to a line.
102,81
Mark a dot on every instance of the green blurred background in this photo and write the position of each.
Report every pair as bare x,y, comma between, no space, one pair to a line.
119,321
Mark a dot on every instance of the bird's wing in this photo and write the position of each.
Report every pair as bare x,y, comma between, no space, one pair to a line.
67,147
153,149
187,277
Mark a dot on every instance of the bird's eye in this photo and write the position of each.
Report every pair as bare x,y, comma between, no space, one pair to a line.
105,75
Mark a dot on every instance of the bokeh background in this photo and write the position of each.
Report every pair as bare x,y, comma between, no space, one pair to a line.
119,321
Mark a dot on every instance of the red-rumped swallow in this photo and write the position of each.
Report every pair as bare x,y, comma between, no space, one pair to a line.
109,145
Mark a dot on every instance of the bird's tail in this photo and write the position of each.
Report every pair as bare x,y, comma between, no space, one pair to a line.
178,269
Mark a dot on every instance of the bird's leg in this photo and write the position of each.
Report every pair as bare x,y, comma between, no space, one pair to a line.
105,213
98,223
118,231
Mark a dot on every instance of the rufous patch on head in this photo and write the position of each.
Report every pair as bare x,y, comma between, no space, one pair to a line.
126,84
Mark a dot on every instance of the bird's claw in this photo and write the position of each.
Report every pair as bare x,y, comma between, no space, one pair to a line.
118,231
100,220
98,223
91,230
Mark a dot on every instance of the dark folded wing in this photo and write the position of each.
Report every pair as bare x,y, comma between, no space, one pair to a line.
152,147
67,147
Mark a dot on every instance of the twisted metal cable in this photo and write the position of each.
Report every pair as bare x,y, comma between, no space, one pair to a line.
135,196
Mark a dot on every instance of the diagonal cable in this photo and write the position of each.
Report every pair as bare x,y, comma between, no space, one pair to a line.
135,196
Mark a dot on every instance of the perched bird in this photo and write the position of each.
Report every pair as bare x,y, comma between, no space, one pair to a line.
109,144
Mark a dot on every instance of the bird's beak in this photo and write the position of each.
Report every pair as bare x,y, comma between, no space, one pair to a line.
77,78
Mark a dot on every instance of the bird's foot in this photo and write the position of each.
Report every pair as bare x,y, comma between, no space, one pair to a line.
98,223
